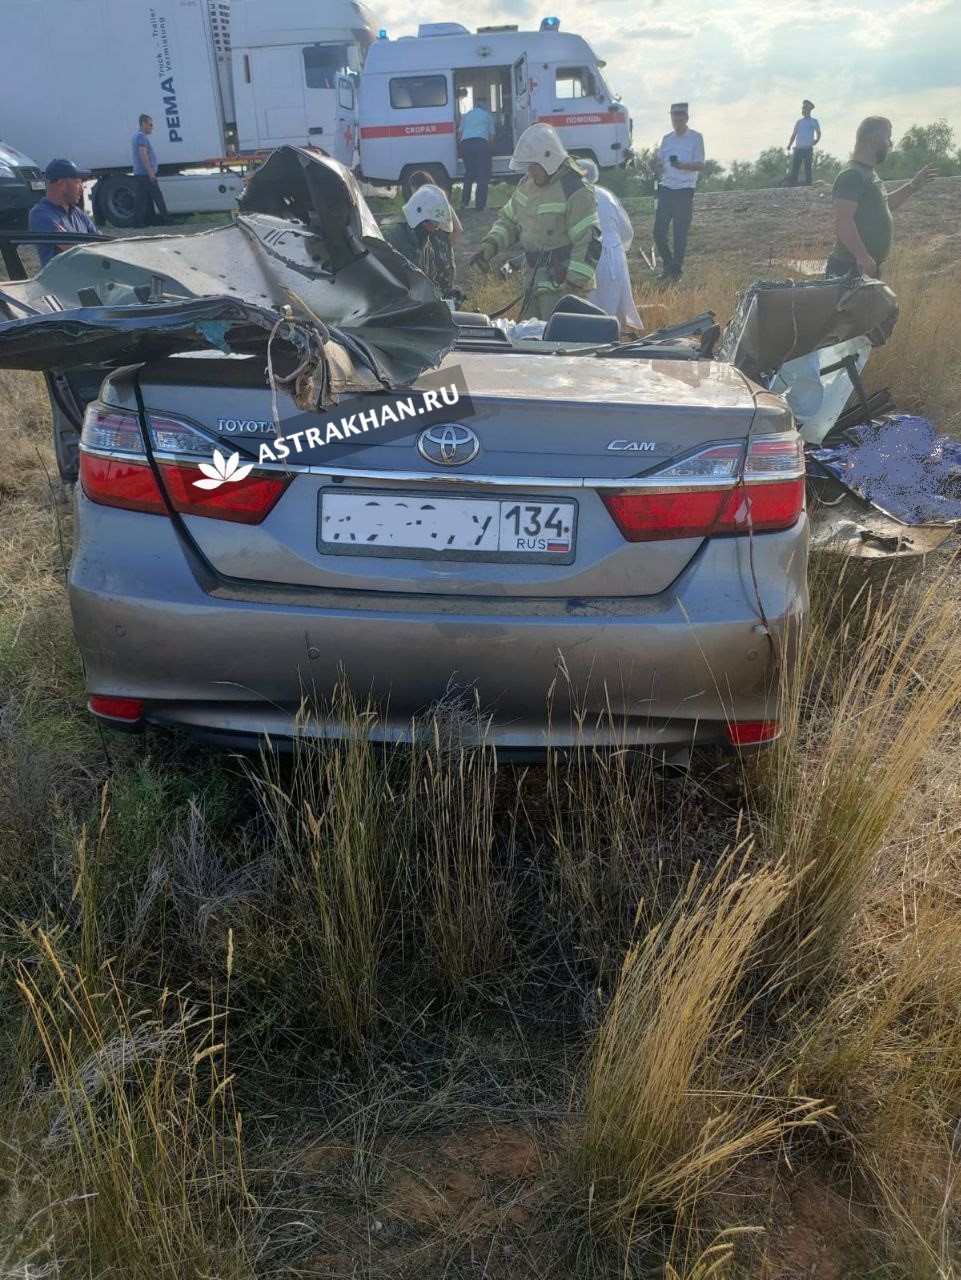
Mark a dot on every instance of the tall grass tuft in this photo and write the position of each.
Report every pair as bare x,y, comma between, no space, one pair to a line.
336,875
458,899
602,811
921,363
668,1110
134,1127
874,684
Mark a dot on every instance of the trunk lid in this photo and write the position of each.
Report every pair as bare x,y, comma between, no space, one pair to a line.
553,432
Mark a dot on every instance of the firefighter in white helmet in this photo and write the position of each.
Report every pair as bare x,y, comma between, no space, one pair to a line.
552,214
423,236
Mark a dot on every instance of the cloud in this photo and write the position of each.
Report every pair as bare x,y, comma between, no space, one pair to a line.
654,32
745,65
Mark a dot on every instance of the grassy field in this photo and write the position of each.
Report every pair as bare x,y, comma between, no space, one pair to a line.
397,1015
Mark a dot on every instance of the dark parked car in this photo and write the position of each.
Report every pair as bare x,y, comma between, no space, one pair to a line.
21,186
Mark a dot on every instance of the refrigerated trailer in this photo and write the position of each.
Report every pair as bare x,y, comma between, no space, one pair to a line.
223,80
415,89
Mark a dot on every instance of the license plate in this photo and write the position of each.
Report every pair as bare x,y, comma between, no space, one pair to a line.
532,528
37,185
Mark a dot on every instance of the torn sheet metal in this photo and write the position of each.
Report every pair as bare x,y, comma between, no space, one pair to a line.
776,322
847,526
347,313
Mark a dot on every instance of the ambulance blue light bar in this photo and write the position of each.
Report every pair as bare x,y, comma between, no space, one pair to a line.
550,24
382,34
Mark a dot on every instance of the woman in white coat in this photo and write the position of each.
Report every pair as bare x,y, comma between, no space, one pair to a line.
613,289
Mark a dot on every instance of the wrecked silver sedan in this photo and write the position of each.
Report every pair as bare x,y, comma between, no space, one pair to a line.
297,469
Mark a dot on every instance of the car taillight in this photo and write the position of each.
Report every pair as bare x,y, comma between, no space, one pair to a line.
725,489
126,479
243,495
245,501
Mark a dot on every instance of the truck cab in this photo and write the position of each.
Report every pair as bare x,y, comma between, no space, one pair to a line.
416,89
293,81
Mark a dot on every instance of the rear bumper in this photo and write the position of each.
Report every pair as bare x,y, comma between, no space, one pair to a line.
234,661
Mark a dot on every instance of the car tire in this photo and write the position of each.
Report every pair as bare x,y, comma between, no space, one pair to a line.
121,202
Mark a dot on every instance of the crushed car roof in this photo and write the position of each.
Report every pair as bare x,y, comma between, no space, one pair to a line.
777,321
302,274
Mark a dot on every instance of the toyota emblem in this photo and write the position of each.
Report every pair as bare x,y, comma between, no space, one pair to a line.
449,444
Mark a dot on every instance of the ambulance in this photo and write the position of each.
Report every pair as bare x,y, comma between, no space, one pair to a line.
414,90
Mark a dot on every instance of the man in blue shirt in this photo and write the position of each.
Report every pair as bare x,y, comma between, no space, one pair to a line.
476,132
145,171
60,209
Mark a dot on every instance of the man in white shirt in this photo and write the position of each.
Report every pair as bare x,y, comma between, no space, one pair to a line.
806,136
677,162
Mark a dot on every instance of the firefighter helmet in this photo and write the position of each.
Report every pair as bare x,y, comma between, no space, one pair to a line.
429,204
539,144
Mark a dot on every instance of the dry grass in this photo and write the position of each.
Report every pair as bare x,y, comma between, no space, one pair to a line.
427,964
452,827
669,1111
131,1127
330,814
875,680
922,364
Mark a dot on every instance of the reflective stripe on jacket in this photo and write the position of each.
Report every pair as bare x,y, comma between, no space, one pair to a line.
559,219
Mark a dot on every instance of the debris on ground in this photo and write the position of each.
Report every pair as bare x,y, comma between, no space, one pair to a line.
881,484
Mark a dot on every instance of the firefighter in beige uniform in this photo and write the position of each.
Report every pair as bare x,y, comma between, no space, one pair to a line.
552,213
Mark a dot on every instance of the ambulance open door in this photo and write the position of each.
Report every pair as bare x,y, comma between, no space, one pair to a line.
523,107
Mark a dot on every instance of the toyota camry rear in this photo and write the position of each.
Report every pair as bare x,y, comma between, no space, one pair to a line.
603,551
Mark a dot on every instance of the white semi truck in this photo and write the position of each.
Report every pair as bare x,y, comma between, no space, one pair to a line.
222,80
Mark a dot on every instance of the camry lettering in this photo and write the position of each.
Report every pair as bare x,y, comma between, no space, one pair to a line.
631,446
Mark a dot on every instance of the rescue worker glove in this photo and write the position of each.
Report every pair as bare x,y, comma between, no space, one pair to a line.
481,261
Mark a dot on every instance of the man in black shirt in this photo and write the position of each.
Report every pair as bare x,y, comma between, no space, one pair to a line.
862,207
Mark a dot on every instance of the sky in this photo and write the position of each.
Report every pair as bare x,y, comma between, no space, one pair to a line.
745,65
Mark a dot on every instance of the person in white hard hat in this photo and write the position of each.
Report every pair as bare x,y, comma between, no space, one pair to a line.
613,290
423,235
552,214
421,178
